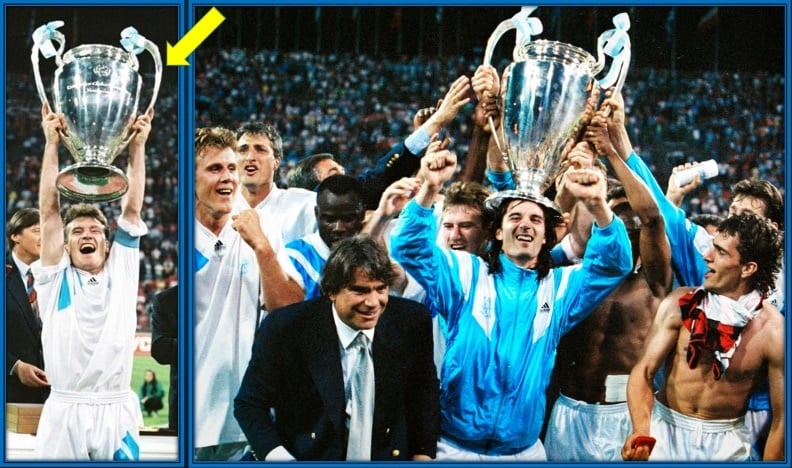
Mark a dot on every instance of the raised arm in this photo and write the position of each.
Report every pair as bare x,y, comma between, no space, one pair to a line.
677,194
132,202
437,168
485,85
391,203
655,251
52,241
640,391
447,108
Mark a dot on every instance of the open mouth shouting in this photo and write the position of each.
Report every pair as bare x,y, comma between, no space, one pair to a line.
87,248
250,169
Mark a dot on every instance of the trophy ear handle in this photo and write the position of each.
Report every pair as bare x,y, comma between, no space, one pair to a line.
616,44
135,43
43,37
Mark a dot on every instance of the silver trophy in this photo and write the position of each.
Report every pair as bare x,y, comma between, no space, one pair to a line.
548,96
97,88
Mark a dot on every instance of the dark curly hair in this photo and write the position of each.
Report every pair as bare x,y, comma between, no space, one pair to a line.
759,242
765,191
544,262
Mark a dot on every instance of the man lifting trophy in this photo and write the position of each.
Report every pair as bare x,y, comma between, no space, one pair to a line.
97,88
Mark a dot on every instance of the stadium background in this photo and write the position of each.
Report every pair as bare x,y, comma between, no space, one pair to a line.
703,83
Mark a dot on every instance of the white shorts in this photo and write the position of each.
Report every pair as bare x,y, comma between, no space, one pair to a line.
580,431
89,426
758,422
684,438
449,451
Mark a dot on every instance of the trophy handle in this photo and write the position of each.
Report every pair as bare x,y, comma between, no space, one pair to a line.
526,27
42,41
135,43
614,43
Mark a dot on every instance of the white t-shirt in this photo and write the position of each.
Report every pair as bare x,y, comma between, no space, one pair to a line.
226,315
89,321
291,210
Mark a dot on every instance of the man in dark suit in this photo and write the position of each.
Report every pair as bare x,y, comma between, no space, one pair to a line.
302,368
164,309
26,381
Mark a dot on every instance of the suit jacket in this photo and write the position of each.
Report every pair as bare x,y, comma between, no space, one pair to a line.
397,163
164,309
296,370
23,340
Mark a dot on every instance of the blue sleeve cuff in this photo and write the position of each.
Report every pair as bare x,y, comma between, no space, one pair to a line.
418,140
500,180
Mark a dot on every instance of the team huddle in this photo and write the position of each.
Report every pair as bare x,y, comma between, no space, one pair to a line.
421,310
596,322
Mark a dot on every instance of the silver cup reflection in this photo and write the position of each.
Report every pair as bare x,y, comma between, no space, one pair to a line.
97,89
548,96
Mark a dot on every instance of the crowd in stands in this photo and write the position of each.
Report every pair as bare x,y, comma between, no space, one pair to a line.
356,107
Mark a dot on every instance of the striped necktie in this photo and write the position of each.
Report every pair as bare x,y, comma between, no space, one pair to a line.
33,298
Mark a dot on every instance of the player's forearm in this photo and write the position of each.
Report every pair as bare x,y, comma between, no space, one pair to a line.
599,209
49,198
427,193
476,159
277,289
774,448
495,159
640,400
132,203
51,223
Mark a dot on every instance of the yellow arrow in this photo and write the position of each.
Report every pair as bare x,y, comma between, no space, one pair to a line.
177,54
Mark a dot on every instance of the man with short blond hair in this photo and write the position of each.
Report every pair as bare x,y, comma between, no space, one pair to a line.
87,295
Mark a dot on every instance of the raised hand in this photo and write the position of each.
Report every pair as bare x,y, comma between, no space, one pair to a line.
485,80
439,163
447,108
53,124
397,195
141,128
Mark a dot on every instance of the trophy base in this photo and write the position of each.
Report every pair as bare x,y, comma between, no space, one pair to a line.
91,182
494,201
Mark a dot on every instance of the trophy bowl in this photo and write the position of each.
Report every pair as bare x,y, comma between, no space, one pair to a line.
548,96
546,99
96,88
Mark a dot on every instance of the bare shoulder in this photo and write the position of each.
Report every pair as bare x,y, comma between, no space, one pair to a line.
674,295
768,326
670,304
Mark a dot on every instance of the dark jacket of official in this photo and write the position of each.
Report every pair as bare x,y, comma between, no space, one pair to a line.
164,309
23,340
296,370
